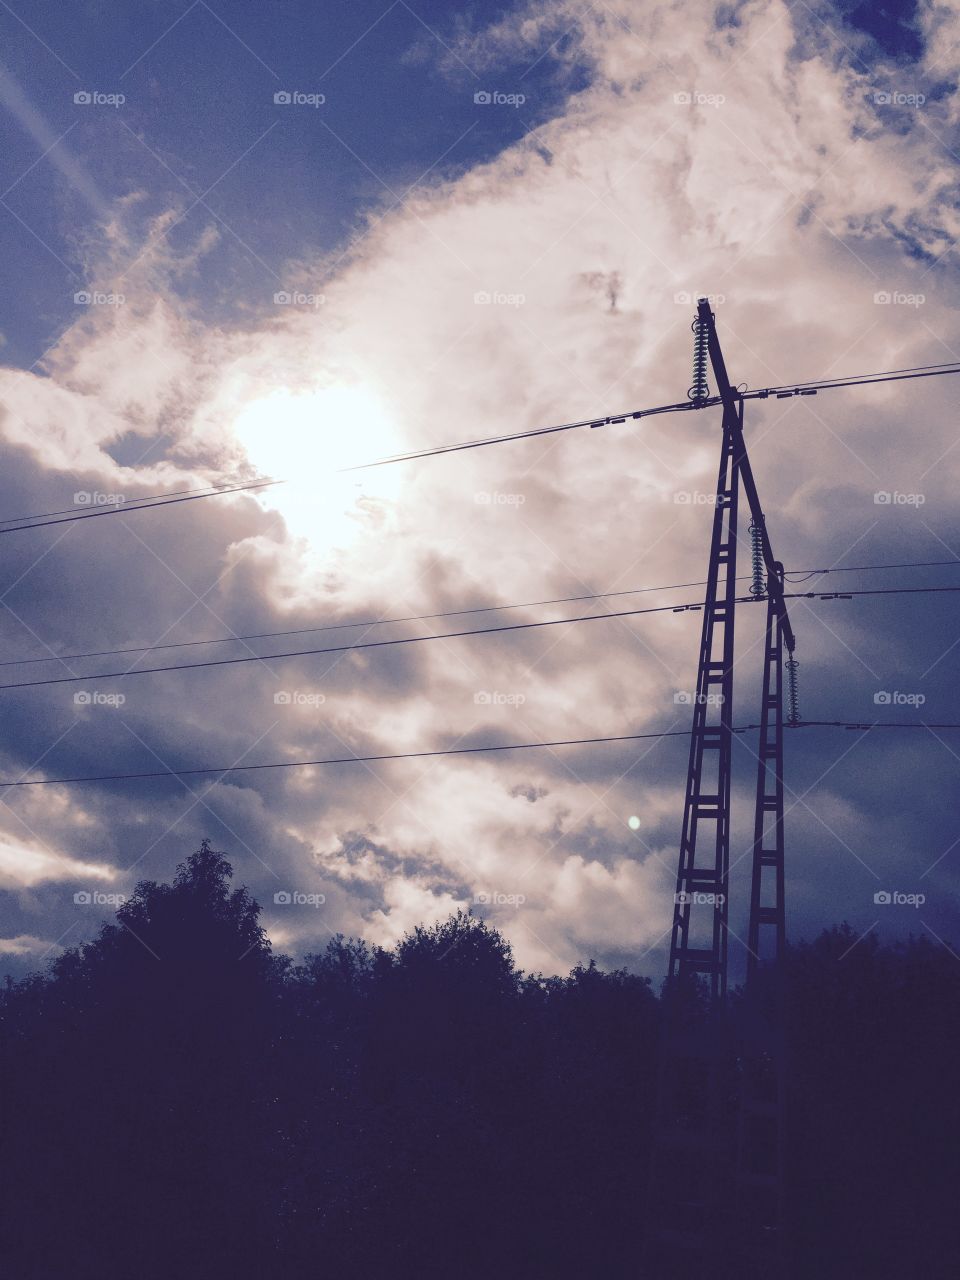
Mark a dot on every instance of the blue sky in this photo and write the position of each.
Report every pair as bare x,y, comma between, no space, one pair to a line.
462,268
199,117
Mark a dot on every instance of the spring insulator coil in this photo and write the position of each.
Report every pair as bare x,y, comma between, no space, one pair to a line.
758,587
699,390
793,693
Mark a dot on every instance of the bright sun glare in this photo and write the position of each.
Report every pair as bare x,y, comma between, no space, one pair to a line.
305,438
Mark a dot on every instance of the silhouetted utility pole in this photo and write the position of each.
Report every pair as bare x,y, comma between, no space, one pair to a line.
697,1227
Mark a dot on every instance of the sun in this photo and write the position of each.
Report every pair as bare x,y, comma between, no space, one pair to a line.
306,439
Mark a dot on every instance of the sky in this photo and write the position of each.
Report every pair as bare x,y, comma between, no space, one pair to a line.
277,240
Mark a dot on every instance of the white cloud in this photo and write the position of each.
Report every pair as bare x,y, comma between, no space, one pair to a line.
23,945
23,867
407,904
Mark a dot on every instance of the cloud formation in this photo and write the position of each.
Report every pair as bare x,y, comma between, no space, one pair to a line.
761,159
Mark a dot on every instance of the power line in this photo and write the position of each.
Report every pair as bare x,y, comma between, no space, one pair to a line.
401,755
452,613
854,568
691,606
679,407
782,392
856,380
344,626
136,504
911,368
345,648
448,751
67,515
149,497
872,724
865,591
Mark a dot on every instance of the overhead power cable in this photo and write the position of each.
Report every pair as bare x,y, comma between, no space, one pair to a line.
690,606
345,626
135,504
854,568
206,490
68,515
856,380
342,648
871,724
781,392
448,751
448,613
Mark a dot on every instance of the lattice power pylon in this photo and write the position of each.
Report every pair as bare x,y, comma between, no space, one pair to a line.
699,940
703,1223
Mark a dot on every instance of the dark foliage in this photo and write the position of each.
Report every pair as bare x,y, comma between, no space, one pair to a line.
178,1102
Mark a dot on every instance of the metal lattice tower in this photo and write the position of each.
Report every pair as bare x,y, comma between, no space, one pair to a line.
699,940
689,1125
702,1224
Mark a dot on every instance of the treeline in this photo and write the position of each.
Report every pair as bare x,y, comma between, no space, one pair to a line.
179,1102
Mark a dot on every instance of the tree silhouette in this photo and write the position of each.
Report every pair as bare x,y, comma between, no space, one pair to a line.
143,1066
179,1101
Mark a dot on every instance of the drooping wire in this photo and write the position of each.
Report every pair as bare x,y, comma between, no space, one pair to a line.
367,623
686,405
805,574
203,491
700,400
143,504
690,606
449,751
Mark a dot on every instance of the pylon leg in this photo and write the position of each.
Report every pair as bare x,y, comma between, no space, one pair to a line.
761,1119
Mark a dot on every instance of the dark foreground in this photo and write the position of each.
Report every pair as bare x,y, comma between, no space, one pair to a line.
178,1102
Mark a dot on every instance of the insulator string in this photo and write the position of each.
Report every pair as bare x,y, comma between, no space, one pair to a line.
699,390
